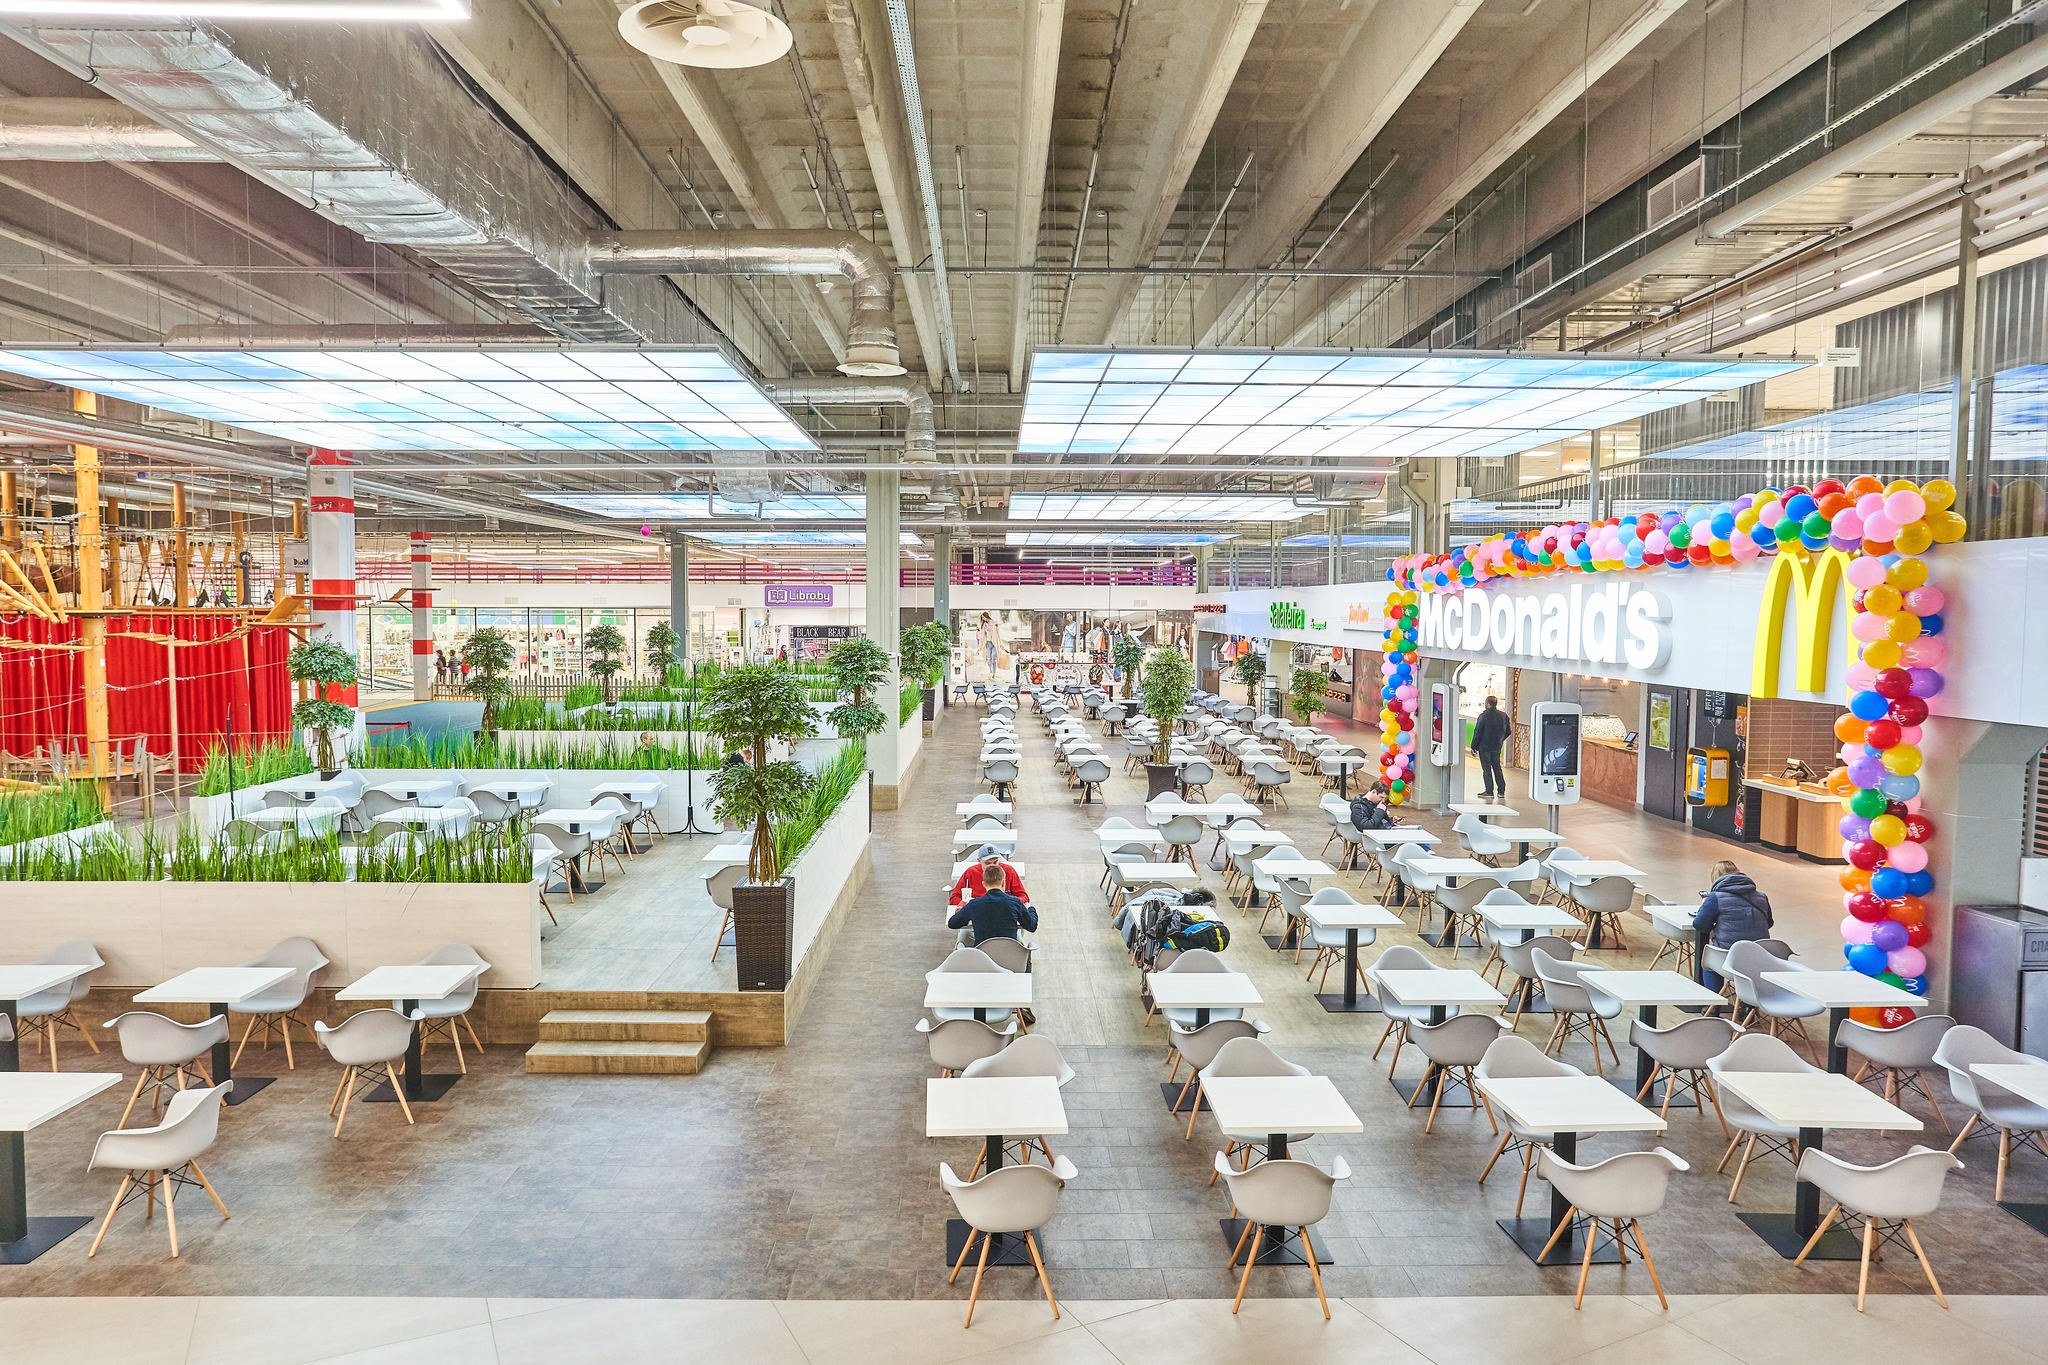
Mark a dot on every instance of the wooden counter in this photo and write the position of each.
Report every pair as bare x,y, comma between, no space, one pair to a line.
1799,818
1610,775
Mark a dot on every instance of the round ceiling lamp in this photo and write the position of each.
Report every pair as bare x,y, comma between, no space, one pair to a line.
720,34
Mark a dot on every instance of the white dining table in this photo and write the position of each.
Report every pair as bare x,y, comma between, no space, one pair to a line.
319,818
408,986
27,1101
1202,992
20,983
977,991
1441,989
1351,920
1002,839
421,791
217,988
1646,991
1268,1109
1564,1106
1485,810
1526,837
1842,992
528,792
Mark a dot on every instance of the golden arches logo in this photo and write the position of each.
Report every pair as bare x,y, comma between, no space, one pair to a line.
1811,586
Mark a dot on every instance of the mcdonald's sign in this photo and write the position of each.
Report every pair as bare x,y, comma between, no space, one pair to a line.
1811,587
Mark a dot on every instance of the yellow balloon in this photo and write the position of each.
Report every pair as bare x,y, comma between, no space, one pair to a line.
1882,654
1914,538
1745,519
1902,486
1887,829
1882,600
1939,493
1907,574
1948,527
1903,627
1901,759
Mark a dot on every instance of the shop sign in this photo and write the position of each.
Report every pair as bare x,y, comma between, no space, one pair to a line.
799,595
1287,616
823,632
1609,624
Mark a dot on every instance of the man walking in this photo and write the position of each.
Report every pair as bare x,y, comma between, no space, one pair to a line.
1492,730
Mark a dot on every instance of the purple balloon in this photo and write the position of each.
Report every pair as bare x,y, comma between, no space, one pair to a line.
1866,771
1926,682
1855,828
1888,934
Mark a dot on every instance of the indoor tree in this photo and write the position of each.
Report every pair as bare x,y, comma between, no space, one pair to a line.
1168,688
1251,671
1306,691
925,649
607,643
325,664
859,669
661,648
750,708
1128,655
489,656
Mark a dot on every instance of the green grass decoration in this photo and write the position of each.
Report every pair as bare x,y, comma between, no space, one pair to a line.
834,782
909,702
252,767
48,810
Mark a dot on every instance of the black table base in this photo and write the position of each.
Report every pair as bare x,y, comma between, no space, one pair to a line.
244,1088
420,1087
43,1233
1781,1232
1335,1003
1531,1233
2034,1216
1005,1248
1276,1245
1189,1103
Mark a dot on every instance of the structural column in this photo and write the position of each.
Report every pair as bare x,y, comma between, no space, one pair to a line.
331,546
1202,554
942,592
422,616
92,626
885,618
679,593
181,550
10,518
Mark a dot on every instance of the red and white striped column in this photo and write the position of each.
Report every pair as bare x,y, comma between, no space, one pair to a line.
422,616
331,545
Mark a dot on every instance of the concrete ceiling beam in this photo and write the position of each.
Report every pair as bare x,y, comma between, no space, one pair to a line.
1044,21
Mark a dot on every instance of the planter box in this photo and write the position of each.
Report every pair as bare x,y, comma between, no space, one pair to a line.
571,787
909,739
764,934
70,838
150,931
523,743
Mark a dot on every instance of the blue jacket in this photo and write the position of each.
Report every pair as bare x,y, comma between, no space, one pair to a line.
994,914
1733,911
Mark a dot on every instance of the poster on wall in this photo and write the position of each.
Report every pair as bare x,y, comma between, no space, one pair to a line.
996,645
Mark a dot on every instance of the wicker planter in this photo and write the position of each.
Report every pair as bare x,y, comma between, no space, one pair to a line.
1160,778
930,701
764,928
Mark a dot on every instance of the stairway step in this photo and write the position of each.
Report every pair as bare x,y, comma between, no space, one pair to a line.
616,1059
625,1026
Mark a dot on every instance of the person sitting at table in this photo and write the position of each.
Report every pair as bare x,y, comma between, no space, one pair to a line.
1732,911
1369,809
973,881
993,913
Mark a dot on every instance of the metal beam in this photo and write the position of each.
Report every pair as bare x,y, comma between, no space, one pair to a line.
1044,21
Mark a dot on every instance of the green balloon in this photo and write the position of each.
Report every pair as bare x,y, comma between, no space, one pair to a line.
1816,527
1397,785
1681,536
1787,530
1892,979
1868,803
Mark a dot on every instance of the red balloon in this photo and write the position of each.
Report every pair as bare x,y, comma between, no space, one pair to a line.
1866,854
1919,828
1894,683
1897,808
1827,486
1856,602
1700,554
1909,710
1865,906
1897,1016
1674,555
1882,734
1918,935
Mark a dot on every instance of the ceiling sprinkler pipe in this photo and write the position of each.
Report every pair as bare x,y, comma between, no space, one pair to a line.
870,339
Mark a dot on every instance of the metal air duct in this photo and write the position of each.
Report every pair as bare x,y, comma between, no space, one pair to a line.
352,334
870,339
88,130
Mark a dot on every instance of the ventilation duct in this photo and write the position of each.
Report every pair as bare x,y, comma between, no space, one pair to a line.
719,34
88,130
920,430
871,337
354,334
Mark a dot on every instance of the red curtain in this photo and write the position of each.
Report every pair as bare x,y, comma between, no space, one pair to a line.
240,682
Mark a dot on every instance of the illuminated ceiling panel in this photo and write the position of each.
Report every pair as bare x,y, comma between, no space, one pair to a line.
1389,404
442,399
772,539
711,507
1144,540
1156,507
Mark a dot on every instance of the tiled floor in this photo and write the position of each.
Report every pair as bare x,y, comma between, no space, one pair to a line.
803,1174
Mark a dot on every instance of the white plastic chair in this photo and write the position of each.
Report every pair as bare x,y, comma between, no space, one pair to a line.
2018,1122
1756,1052
1031,1055
957,1044
166,1154
166,1050
1901,1055
718,885
1510,1058
1243,1057
1280,1194
277,1008
1198,960
1330,943
1400,958
1620,1191
1680,1054
1576,1009
1198,1047
1015,1199
42,1014
369,1044
1456,1045
1886,1197
1777,1008
442,1016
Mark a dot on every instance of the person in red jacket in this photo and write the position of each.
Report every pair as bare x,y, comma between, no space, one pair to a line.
972,884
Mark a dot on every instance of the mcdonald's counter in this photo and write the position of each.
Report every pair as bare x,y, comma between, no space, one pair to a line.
1799,817
1610,771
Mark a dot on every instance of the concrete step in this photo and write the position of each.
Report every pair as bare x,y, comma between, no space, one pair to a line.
616,1059
625,1026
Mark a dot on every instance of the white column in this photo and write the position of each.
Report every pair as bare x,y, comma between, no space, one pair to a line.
422,616
884,617
331,545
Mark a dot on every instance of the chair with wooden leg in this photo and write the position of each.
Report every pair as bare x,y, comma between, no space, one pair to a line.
369,1044
444,1015
957,1044
1756,1052
1887,1198
1619,1192
1512,1058
1400,958
1009,1201
1287,1196
39,1016
1031,1055
1450,1051
1198,1047
166,1155
1577,1010
168,1053
1679,1055
2017,1122
276,1010
1900,1056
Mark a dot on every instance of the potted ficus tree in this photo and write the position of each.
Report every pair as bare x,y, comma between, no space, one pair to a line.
1251,671
1128,655
752,708
924,652
859,669
1307,692
661,649
489,656
606,644
324,664
1168,687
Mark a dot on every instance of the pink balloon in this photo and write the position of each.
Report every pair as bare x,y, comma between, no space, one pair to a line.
1771,513
1905,507
1865,572
1744,549
1656,543
1851,752
1861,676
1907,857
1909,734
1925,600
1855,930
1869,505
1929,651
1880,527
1847,524
1866,626
1907,962
1913,805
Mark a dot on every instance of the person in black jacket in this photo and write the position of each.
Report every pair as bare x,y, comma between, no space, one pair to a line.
1732,911
994,913
1490,733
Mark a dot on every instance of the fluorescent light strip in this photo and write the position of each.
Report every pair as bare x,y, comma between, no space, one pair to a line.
444,399
1155,507
416,11
1144,540
703,507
